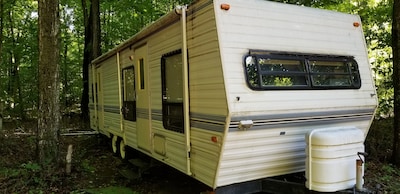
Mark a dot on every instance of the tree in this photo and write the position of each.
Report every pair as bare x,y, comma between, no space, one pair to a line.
396,81
49,108
1,51
18,57
91,50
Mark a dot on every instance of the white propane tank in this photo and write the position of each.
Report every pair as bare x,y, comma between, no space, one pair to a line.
331,155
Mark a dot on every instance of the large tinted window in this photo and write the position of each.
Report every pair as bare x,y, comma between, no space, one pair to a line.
129,94
172,91
289,71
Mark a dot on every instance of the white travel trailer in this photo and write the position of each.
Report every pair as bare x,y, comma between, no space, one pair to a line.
226,90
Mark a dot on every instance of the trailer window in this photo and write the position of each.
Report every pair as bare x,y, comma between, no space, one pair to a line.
129,94
301,72
172,91
92,93
141,67
334,74
282,73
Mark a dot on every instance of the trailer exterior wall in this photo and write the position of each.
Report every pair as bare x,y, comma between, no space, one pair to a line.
163,42
275,144
110,96
129,134
208,106
221,154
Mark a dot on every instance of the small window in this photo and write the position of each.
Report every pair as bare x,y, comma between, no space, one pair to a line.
92,93
172,91
295,71
141,67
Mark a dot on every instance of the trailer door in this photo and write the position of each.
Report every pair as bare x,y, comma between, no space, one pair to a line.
142,100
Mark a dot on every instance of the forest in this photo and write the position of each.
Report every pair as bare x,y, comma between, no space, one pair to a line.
117,21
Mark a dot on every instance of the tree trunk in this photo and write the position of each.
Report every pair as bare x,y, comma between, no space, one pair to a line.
396,81
95,14
85,65
49,89
1,31
91,51
1,60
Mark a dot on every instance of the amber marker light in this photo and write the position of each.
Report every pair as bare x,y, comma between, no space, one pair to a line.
356,24
225,6
214,139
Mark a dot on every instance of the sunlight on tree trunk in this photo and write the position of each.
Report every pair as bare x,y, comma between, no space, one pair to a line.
396,81
49,89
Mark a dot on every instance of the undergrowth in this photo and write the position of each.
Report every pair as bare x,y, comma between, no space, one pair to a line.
380,174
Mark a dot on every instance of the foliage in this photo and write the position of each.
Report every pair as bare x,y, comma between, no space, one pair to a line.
28,172
19,48
122,19
379,141
19,56
87,167
378,35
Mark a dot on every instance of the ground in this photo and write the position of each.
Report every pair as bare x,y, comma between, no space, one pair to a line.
94,166
95,169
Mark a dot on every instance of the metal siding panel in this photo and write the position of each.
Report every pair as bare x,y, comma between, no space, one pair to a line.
207,90
272,150
130,134
110,82
254,154
125,59
205,155
112,123
176,153
274,26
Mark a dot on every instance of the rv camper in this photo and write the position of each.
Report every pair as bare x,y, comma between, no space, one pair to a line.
227,91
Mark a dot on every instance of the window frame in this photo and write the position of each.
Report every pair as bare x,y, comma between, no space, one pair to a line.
168,107
353,70
127,105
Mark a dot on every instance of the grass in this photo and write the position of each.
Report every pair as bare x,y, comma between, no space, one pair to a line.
383,177
111,190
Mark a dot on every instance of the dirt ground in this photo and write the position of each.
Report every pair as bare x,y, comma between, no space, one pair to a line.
95,166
